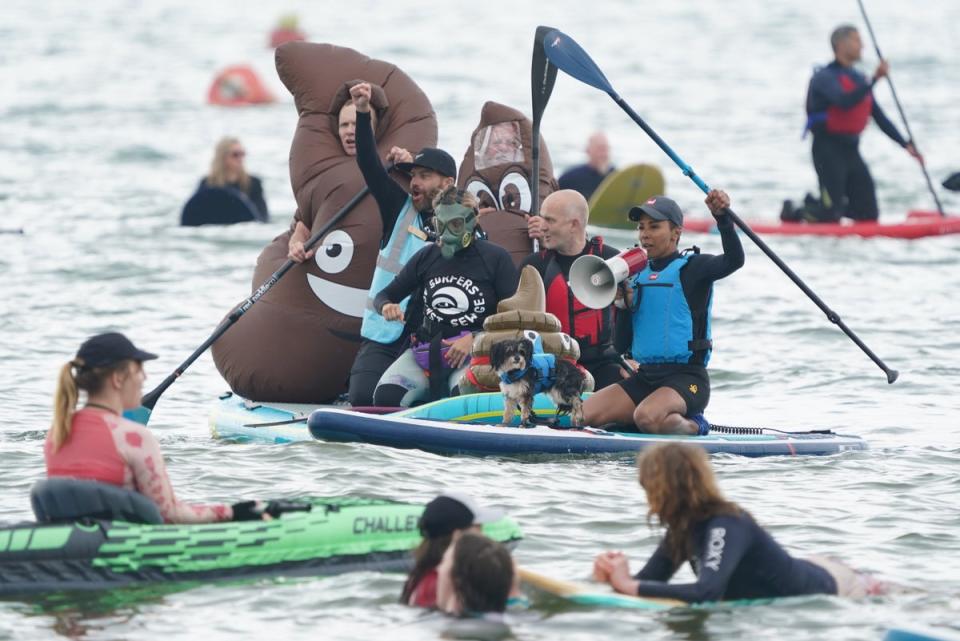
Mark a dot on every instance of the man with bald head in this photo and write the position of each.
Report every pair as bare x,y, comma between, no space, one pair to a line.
561,229
586,178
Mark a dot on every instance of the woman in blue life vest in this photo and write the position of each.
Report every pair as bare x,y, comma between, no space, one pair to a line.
732,556
460,279
840,104
669,302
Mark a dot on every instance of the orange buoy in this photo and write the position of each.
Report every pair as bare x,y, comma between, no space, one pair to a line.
238,85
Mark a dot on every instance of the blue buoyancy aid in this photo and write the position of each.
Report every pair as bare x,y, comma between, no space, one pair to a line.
403,244
662,320
544,368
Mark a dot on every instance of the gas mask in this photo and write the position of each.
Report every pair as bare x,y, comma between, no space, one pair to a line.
454,225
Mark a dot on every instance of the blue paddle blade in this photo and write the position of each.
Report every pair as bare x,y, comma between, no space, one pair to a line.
566,54
140,415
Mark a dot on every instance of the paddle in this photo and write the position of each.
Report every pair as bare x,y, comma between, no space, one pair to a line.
543,76
149,400
903,116
567,55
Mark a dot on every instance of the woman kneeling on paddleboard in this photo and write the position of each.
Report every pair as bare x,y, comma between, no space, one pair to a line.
732,557
97,443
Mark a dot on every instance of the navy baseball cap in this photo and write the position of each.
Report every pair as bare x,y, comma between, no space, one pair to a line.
659,208
106,349
434,159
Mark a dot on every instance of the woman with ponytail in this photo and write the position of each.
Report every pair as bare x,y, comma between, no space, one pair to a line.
731,555
96,443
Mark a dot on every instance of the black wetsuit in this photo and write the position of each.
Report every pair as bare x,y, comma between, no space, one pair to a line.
846,186
597,352
374,358
690,380
734,558
583,178
254,192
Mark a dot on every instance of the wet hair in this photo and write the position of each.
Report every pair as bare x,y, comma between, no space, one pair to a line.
482,574
426,557
682,492
74,376
218,166
840,34
453,196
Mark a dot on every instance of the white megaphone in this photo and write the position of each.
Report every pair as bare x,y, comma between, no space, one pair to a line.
594,280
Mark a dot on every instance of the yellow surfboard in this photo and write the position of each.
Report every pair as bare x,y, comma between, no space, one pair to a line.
620,191
593,594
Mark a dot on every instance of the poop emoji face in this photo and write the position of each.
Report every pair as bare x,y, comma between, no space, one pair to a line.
497,169
298,342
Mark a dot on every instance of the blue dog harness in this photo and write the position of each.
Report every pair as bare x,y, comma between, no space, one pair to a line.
544,370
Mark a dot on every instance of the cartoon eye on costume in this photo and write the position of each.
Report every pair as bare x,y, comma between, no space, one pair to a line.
335,252
483,193
515,192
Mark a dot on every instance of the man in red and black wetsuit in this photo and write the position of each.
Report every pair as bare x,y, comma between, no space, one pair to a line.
839,105
562,230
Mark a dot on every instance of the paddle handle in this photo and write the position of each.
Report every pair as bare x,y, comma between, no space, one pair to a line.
150,399
903,116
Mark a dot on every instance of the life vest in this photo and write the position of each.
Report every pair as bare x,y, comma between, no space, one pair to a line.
589,326
662,320
401,246
850,121
544,369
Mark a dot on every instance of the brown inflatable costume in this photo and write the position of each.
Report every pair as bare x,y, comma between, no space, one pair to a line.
522,315
497,168
298,342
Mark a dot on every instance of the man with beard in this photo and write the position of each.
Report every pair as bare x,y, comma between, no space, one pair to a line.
406,228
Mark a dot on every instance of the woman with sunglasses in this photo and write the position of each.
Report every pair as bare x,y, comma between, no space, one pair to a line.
228,172
461,278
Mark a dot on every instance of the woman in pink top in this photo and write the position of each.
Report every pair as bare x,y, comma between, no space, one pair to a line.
96,443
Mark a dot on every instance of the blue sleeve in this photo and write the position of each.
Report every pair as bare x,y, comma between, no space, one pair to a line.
659,567
724,544
886,126
826,85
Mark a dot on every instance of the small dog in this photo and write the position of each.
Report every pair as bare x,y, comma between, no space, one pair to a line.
523,374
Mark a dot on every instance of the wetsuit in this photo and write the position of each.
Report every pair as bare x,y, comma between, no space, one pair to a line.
374,358
593,328
734,558
690,378
839,105
457,295
583,178
254,193
110,449
424,593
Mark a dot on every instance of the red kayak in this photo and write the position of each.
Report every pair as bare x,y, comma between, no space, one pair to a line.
919,224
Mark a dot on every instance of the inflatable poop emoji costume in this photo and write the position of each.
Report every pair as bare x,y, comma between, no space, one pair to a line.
298,342
522,315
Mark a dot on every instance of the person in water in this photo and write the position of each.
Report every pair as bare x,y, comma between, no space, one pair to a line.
227,171
731,555
562,231
840,103
475,578
587,177
669,302
97,443
461,279
444,518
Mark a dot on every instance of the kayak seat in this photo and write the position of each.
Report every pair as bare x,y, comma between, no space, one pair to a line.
62,499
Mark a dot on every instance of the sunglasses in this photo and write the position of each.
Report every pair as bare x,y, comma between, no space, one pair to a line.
237,154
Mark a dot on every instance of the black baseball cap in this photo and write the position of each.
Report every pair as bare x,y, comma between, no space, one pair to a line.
106,349
659,208
431,158
454,511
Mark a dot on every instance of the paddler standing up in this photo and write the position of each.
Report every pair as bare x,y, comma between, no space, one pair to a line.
670,301
406,227
840,103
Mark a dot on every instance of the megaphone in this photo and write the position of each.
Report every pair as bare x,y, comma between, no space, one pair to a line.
594,280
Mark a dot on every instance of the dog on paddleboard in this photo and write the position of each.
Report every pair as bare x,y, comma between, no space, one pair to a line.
524,373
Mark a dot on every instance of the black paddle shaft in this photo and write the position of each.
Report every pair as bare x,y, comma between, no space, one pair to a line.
832,316
903,116
150,399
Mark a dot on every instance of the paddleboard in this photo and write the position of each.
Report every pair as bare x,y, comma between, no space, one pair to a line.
922,634
620,191
918,224
596,594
